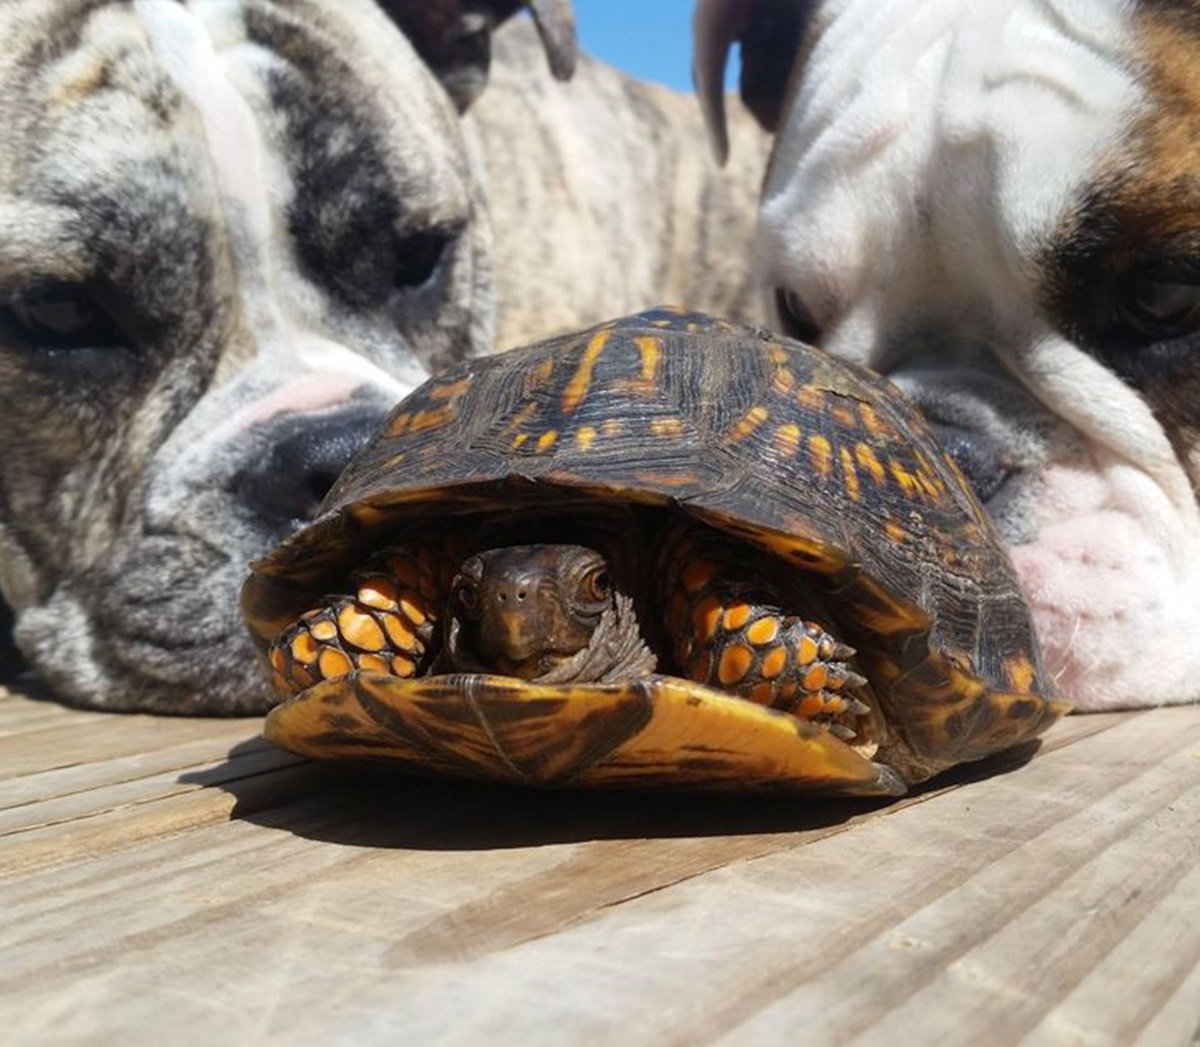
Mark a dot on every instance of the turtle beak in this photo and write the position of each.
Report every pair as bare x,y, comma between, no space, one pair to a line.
516,638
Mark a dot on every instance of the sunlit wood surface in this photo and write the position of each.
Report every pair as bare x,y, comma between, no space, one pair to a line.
169,881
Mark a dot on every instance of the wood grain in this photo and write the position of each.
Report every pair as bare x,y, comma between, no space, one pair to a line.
181,881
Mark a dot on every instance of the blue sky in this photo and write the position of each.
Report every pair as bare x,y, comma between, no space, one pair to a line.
651,39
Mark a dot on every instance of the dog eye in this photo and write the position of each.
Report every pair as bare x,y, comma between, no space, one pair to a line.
417,257
63,316
795,318
1159,306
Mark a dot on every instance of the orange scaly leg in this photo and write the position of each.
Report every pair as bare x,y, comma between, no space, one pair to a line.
732,635
388,624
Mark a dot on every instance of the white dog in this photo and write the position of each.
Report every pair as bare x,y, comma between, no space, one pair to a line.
998,205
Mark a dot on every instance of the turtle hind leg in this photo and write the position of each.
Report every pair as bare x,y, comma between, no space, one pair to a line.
733,636
388,624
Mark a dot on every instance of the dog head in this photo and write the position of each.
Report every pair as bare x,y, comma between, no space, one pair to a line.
998,205
231,235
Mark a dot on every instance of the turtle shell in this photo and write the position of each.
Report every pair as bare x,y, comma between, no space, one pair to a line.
823,465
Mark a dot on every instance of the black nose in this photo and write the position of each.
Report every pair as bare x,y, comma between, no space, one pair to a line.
977,454
285,487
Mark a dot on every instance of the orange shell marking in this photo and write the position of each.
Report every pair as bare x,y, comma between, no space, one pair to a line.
651,350
667,427
577,387
749,423
821,453
787,439
853,488
865,456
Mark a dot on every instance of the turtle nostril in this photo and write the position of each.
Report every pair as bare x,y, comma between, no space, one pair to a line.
520,594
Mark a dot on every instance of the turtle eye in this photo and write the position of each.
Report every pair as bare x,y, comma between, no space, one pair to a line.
596,584
795,318
1155,304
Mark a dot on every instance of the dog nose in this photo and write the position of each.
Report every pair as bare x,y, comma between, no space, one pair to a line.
978,454
285,487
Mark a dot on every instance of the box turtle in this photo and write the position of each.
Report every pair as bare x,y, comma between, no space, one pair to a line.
668,551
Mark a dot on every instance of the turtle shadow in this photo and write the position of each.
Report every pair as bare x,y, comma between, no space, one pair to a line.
375,806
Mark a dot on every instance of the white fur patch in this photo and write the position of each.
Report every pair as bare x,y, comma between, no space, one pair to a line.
182,43
185,39
1113,582
934,148
910,115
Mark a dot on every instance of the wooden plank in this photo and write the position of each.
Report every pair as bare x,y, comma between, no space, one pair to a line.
827,941
19,714
1179,1019
1119,874
1019,919
92,738
1154,966
45,787
1046,902
125,817
63,796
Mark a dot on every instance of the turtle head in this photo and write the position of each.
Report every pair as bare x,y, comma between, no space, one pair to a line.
526,610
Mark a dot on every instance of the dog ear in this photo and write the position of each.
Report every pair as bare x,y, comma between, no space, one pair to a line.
454,37
771,33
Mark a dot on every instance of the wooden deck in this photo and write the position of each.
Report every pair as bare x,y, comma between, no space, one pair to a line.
181,882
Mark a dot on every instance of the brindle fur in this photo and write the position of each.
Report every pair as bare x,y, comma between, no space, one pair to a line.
258,321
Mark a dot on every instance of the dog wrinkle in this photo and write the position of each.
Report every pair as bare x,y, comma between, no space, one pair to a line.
83,76
83,69
19,576
1114,596
57,637
181,39
838,216
1095,402
121,667
37,238
182,45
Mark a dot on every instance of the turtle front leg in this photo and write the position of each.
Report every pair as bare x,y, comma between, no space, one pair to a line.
387,624
733,635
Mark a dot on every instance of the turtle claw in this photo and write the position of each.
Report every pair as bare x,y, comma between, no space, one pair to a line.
832,650
841,678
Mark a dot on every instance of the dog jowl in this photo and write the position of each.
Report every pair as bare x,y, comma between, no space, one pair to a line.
231,235
998,205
